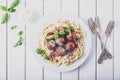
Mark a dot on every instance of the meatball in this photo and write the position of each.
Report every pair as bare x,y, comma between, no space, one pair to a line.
70,46
60,51
52,55
68,37
50,44
74,35
50,33
76,43
60,41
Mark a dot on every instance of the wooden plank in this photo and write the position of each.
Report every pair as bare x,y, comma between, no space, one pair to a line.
70,8
71,75
50,8
49,74
104,11
16,56
34,70
3,45
87,71
116,40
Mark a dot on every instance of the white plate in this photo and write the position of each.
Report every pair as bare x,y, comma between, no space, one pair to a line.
77,63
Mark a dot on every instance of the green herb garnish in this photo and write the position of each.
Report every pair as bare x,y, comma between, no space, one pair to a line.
3,8
11,10
50,37
13,27
56,32
68,30
62,32
20,33
39,51
70,34
4,18
19,42
55,36
14,4
69,26
46,57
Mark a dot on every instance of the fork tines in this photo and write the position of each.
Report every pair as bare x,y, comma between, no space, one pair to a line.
109,28
91,24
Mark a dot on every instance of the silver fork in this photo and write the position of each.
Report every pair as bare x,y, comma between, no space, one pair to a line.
104,53
95,28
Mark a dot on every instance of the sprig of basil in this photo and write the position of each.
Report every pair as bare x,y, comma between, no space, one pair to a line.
11,10
19,42
14,4
20,33
20,38
13,27
50,37
62,32
43,54
69,29
4,18
56,33
55,36
3,8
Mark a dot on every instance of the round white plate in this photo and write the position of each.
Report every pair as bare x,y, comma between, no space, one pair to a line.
77,63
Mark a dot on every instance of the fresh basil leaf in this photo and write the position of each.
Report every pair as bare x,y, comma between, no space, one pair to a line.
55,36
70,34
56,32
66,30
46,57
20,39
13,27
20,33
69,28
19,42
50,37
4,18
14,4
62,32
16,44
11,10
38,51
3,8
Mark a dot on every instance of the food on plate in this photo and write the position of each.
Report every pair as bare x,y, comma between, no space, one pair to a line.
61,42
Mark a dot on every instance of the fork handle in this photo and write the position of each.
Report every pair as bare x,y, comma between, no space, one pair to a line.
105,53
102,44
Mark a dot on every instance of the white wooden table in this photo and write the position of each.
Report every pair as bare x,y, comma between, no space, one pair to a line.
20,64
